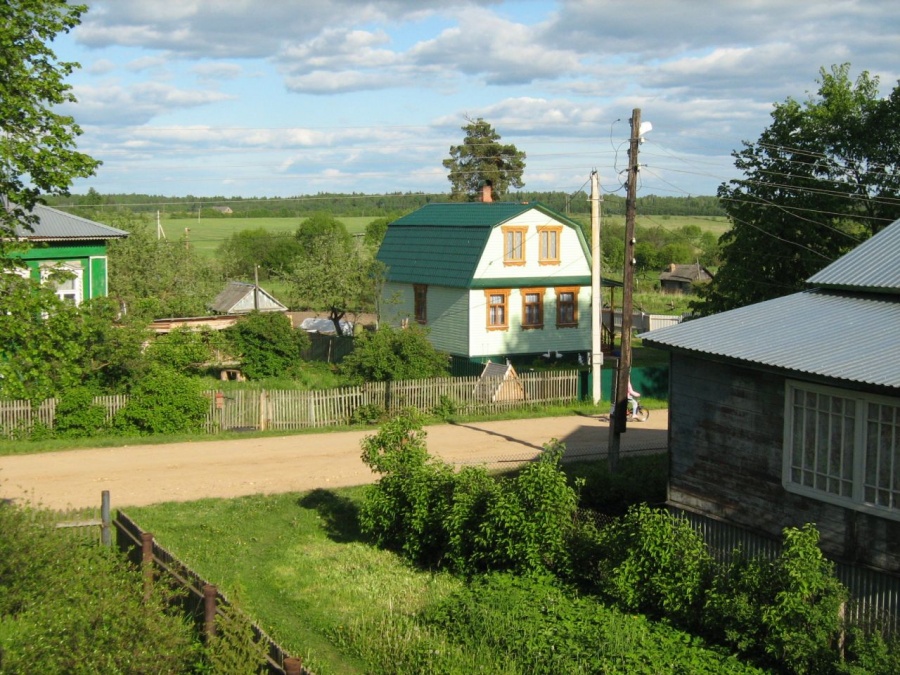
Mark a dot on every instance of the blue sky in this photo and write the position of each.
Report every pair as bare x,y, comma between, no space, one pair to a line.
267,98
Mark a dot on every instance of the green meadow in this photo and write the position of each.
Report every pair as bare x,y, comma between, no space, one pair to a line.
207,234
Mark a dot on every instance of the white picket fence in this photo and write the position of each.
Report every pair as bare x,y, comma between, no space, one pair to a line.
287,409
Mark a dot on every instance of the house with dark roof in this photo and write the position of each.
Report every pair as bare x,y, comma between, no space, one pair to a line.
490,280
62,241
239,297
787,412
683,278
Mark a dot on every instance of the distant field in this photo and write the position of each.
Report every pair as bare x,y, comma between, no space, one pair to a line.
206,234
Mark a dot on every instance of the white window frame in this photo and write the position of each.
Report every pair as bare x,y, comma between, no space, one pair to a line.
77,293
839,425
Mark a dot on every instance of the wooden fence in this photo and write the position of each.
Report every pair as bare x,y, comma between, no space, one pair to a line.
874,595
287,409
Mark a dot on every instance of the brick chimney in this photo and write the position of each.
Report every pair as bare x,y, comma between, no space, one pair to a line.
487,193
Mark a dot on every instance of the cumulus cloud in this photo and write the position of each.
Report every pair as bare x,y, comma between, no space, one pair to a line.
123,106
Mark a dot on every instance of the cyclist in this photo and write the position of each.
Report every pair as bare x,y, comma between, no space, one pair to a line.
633,396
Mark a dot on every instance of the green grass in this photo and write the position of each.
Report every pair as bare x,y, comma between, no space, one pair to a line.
296,563
207,234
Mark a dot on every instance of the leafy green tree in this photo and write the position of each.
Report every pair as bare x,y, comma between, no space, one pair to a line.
481,159
336,278
113,345
155,278
37,144
394,354
243,251
267,345
375,232
322,226
819,180
185,349
40,349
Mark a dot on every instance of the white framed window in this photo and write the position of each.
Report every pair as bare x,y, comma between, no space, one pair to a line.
67,279
843,447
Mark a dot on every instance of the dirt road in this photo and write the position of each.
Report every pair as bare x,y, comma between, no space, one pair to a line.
147,474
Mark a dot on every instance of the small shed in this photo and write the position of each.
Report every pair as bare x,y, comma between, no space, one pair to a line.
499,382
682,278
239,297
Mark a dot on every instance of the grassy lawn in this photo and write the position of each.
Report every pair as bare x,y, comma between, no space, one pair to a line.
297,564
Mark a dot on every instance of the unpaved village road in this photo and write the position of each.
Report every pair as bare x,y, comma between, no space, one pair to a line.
138,475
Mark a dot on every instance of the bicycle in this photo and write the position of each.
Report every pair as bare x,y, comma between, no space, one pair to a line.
642,414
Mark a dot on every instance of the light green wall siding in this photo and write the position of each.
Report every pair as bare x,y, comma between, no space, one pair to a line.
446,311
515,340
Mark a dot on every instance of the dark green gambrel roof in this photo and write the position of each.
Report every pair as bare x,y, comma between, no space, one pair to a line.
441,244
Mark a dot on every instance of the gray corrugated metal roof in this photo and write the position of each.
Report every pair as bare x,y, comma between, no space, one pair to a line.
57,225
237,298
853,338
872,266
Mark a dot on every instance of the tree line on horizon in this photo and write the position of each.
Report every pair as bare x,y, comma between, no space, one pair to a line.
354,204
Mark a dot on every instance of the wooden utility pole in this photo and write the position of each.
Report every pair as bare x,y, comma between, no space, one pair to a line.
596,298
617,423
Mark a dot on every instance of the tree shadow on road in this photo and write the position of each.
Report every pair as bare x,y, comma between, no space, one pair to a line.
340,515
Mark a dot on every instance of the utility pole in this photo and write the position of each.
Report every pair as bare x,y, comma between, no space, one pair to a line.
617,423
596,303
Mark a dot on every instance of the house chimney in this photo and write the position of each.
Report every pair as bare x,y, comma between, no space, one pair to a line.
671,267
487,193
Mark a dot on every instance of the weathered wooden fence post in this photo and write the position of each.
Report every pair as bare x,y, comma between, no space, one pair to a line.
147,562
262,410
105,521
293,666
209,610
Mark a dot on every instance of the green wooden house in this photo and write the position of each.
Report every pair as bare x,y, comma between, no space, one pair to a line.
490,280
77,245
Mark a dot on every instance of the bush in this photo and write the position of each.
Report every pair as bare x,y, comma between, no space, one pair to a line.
77,415
784,611
392,354
467,520
654,563
80,608
164,402
529,520
404,510
268,345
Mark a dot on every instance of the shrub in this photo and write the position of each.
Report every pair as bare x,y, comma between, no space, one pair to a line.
655,563
80,608
268,345
783,612
467,520
77,415
529,521
392,354
405,509
369,413
164,402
